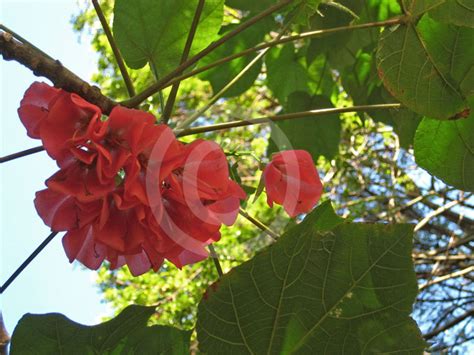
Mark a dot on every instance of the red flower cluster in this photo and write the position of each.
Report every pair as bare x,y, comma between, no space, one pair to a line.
127,191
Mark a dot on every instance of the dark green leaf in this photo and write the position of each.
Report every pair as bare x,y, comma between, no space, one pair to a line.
250,5
56,334
456,12
446,150
405,123
419,7
318,135
156,31
323,288
412,68
285,73
223,74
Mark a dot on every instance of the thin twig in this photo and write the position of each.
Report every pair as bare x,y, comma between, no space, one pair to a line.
283,40
27,261
215,259
21,154
437,212
449,324
288,116
187,48
452,275
115,49
259,224
154,88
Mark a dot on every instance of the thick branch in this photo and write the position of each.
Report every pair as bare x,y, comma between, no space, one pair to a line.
41,65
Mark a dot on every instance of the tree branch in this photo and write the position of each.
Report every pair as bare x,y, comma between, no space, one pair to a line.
41,65
453,275
449,324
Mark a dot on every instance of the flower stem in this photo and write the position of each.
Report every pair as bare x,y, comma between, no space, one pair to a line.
33,255
115,49
187,47
259,224
288,116
215,259
154,88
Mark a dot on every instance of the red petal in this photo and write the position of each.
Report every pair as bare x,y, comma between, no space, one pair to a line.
57,210
34,107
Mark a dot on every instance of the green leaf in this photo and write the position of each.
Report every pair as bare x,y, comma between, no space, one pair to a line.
446,150
413,69
419,7
325,287
285,73
156,31
317,135
220,76
456,12
125,334
452,48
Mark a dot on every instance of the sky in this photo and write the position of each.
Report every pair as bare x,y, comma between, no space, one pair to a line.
50,283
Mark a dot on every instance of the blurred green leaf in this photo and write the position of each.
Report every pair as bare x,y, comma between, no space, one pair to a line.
125,334
149,31
324,287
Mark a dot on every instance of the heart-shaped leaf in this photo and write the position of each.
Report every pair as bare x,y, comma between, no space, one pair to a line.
325,287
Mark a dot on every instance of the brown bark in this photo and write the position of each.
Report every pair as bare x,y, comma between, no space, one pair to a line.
4,337
42,65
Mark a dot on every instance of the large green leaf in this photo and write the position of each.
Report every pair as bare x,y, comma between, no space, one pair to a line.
419,7
446,150
126,334
285,72
223,74
325,287
156,31
412,65
452,49
317,135
457,12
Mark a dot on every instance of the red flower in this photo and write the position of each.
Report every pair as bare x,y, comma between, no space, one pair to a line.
292,180
127,191
63,121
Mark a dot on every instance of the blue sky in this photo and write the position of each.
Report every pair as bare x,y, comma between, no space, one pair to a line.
50,283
